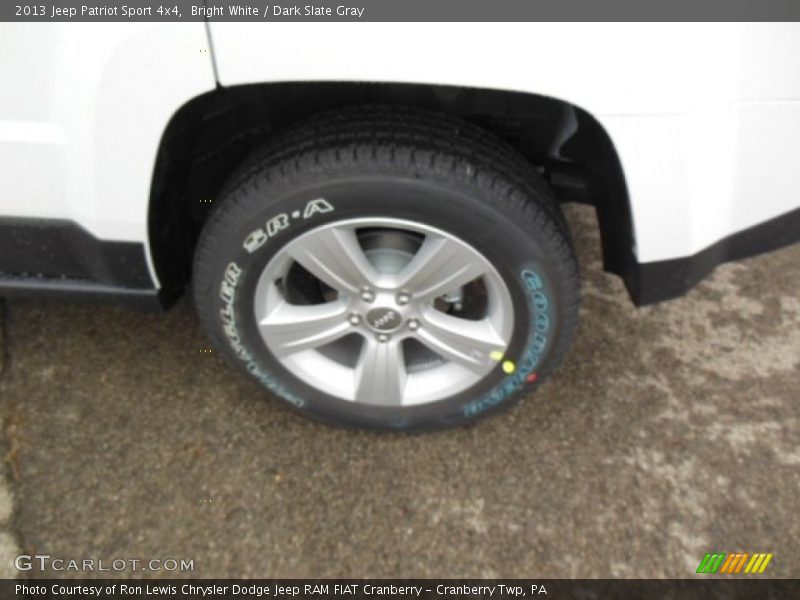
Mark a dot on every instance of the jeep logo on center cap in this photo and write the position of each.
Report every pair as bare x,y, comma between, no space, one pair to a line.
384,319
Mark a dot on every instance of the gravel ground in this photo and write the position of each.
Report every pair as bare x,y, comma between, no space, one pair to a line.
9,548
669,432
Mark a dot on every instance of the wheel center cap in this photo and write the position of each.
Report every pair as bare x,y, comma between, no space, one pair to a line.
384,319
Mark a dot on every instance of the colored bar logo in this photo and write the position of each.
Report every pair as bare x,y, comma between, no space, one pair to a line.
737,562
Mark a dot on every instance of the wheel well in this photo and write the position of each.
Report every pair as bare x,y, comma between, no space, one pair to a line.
211,134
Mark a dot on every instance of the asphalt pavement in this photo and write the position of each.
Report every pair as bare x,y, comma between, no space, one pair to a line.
670,431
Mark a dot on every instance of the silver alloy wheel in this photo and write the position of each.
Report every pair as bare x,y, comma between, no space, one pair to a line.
385,327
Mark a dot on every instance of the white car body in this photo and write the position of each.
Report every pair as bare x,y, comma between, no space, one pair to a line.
705,118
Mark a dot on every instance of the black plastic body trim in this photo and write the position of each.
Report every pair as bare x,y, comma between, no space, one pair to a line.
34,287
653,282
56,257
62,248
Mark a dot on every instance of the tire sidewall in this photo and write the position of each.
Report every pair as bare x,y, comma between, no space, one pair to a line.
282,213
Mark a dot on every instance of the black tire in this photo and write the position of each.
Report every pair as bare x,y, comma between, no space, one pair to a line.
405,164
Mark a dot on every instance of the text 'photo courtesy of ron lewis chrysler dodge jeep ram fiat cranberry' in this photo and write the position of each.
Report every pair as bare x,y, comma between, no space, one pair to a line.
368,217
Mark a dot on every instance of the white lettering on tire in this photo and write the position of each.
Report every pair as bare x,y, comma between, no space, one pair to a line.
227,293
258,237
318,206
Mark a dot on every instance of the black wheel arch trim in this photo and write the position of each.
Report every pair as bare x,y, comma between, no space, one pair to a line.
211,134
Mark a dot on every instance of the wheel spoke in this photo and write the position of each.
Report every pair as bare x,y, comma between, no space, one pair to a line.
468,343
292,328
335,256
380,375
440,265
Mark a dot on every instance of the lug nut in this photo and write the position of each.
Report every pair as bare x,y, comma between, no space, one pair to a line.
403,298
367,294
413,324
382,337
354,319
